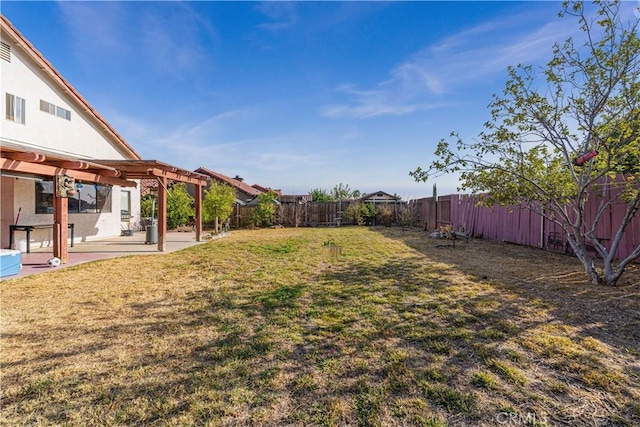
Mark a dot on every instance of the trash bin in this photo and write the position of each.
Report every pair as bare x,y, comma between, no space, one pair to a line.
149,221
152,234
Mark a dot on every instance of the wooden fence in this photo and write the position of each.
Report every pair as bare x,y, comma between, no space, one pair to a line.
318,214
313,214
520,225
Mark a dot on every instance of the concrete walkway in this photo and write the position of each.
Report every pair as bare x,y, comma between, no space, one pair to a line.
36,261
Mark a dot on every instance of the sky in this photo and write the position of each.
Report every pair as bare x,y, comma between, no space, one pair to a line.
294,95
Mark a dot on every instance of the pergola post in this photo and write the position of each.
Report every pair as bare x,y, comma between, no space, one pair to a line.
198,218
60,226
162,214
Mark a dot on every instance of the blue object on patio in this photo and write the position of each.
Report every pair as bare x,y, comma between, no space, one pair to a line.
10,262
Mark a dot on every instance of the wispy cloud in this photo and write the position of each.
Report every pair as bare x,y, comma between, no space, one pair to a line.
96,28
427,78
217,142
282,15
171,42
207,132
174,42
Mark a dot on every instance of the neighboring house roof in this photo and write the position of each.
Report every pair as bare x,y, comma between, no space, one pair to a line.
379,196
237,184
261,188
267,189
45,66
149,185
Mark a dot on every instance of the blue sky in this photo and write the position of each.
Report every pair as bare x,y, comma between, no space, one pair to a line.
293,95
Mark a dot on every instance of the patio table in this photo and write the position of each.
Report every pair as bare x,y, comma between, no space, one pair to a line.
28,229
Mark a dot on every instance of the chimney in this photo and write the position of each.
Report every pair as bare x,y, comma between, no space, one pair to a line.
238,178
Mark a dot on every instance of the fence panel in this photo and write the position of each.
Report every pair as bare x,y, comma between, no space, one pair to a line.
524,227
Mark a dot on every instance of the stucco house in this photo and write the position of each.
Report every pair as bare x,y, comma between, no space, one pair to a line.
50,132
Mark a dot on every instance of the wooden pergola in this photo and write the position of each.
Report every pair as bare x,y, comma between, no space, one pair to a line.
20,160
141,169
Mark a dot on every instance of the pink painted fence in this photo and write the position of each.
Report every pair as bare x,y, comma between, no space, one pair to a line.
520,226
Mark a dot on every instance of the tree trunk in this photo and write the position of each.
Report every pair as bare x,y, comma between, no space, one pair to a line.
580,250
589,268
611,275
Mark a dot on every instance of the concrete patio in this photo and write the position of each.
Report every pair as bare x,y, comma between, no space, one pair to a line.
81,252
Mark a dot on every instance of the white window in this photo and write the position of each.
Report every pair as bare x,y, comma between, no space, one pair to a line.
50,108
15,108
63,112
125,204
47,107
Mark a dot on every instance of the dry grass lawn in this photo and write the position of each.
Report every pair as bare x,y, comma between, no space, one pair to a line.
270,327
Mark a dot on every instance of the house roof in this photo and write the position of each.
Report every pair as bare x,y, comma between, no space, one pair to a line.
49,70
244,187
379,195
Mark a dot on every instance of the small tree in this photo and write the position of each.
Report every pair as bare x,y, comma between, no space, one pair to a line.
264,213
319,195
343,192
369,213
180,207
218,202
579,136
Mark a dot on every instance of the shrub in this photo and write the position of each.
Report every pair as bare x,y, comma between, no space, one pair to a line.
180,207
385,213
265,213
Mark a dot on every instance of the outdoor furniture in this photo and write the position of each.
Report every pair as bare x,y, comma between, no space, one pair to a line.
556,241
28,229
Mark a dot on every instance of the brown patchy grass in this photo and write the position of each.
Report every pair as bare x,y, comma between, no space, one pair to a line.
268,327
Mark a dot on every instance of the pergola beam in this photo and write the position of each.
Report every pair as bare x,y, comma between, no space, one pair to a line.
49,170
142,169
27,157
67,164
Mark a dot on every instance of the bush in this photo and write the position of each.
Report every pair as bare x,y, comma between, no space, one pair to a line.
361,214
353,214
180,207
369,213
408,214
146,202
265,213
385,212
